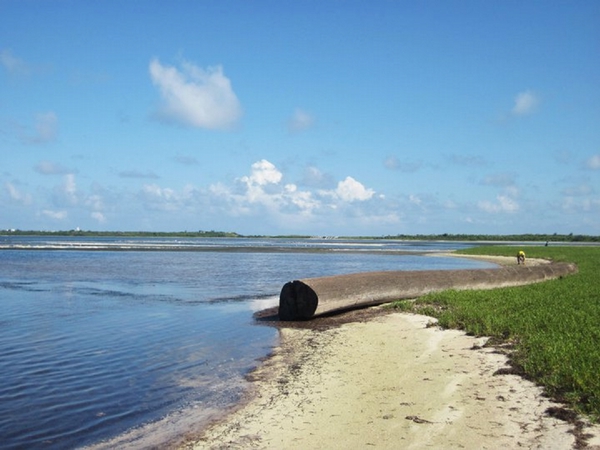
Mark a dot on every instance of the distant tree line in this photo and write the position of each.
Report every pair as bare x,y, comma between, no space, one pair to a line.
82,233
500,237
230,234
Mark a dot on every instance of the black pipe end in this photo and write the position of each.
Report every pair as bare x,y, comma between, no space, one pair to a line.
297,301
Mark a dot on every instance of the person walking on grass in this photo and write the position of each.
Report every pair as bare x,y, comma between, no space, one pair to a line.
521,257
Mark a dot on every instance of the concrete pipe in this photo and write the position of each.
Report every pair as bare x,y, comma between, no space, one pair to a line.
310,297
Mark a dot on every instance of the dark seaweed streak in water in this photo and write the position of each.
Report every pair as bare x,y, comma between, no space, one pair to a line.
95,343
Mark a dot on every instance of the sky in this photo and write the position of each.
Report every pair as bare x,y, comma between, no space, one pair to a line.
324,118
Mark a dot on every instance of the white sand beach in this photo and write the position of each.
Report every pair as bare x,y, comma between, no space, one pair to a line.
391,381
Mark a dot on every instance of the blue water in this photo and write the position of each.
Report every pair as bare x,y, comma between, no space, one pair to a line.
99,337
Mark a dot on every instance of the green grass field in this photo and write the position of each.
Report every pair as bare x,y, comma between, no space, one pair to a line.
553,327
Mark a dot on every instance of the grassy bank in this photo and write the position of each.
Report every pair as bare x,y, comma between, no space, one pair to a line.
554,327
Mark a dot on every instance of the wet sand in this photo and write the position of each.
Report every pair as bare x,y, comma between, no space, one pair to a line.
379,379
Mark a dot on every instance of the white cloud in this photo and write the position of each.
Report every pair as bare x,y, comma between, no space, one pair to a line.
12,64
593,162
264,194
66,193
56,215
263,172
95,201
196,97
415,200
262,199
16,195
351,190
98,216
304,200
300,121
581,205
163,199
262,185
313,177
525,103
70,188
503,204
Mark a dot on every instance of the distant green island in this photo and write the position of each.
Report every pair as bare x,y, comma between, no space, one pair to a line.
529,237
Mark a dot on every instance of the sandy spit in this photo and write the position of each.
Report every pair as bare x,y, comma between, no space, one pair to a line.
391,381
500,260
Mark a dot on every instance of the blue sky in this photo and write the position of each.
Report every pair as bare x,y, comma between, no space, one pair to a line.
304,117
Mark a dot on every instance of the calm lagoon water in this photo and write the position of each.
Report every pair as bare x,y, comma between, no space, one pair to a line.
143,339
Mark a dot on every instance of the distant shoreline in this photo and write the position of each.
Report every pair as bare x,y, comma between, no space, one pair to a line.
445,237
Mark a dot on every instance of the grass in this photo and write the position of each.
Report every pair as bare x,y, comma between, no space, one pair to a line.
553,327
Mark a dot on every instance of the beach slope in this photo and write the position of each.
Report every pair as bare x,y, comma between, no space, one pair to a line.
392,381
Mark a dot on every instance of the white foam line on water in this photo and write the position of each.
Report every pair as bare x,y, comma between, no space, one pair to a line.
260,304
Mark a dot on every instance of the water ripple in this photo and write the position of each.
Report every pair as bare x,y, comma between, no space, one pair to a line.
93,344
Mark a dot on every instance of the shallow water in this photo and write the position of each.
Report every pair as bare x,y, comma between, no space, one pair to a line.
96,343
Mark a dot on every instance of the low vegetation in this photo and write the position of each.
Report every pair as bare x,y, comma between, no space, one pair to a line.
553,328
501,238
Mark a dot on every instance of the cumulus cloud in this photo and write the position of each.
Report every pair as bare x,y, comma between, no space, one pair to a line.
262,196
264,191
158,198
300,121
95,201
66,194
593,162
263,172
503,204
314,177
69,188
303,200
262,186
525,103
196,97
351,190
